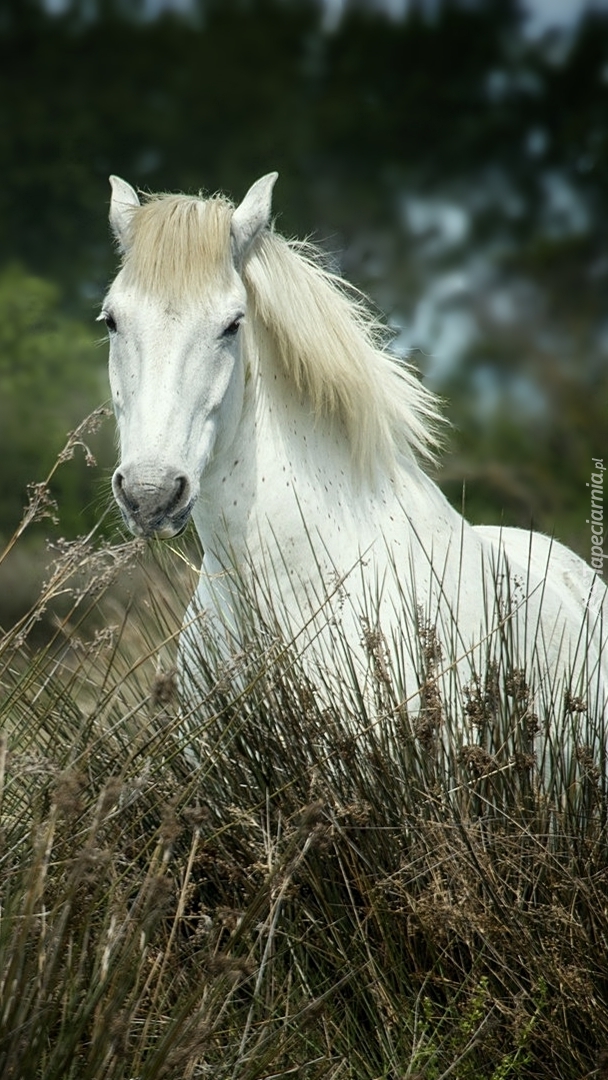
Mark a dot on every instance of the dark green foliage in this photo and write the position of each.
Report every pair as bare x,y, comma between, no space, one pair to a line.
460,109
51,374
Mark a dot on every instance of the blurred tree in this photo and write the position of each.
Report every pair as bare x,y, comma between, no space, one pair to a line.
459,169
50,378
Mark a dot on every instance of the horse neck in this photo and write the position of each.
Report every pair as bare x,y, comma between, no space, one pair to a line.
289,479
277,453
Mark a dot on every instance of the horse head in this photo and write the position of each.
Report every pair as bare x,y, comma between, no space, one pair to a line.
174,315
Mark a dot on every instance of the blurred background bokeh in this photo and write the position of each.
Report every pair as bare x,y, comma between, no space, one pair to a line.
452,155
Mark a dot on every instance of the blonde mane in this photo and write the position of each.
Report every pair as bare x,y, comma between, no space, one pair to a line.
320,329
178,245
334,348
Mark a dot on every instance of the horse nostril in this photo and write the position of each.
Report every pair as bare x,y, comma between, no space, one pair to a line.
180,491
122,492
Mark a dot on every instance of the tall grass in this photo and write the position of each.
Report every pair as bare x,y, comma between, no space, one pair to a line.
327,891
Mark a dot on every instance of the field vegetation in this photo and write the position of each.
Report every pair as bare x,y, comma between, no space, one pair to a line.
280,885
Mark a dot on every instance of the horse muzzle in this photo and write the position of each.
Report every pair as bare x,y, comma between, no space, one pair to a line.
153,503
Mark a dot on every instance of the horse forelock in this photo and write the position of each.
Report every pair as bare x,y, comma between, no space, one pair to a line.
179,245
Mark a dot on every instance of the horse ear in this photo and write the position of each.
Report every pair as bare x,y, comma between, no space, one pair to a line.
252,215
124,200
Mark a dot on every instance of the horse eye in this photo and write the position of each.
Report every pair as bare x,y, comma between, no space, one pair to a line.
110,322
233,328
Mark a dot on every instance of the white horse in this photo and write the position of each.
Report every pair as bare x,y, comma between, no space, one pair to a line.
253,393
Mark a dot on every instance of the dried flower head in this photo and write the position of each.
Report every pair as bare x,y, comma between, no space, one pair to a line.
89,426
67,792
164,687
478,760
233,968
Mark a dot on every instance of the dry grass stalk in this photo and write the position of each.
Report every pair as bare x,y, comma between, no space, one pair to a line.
331,893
